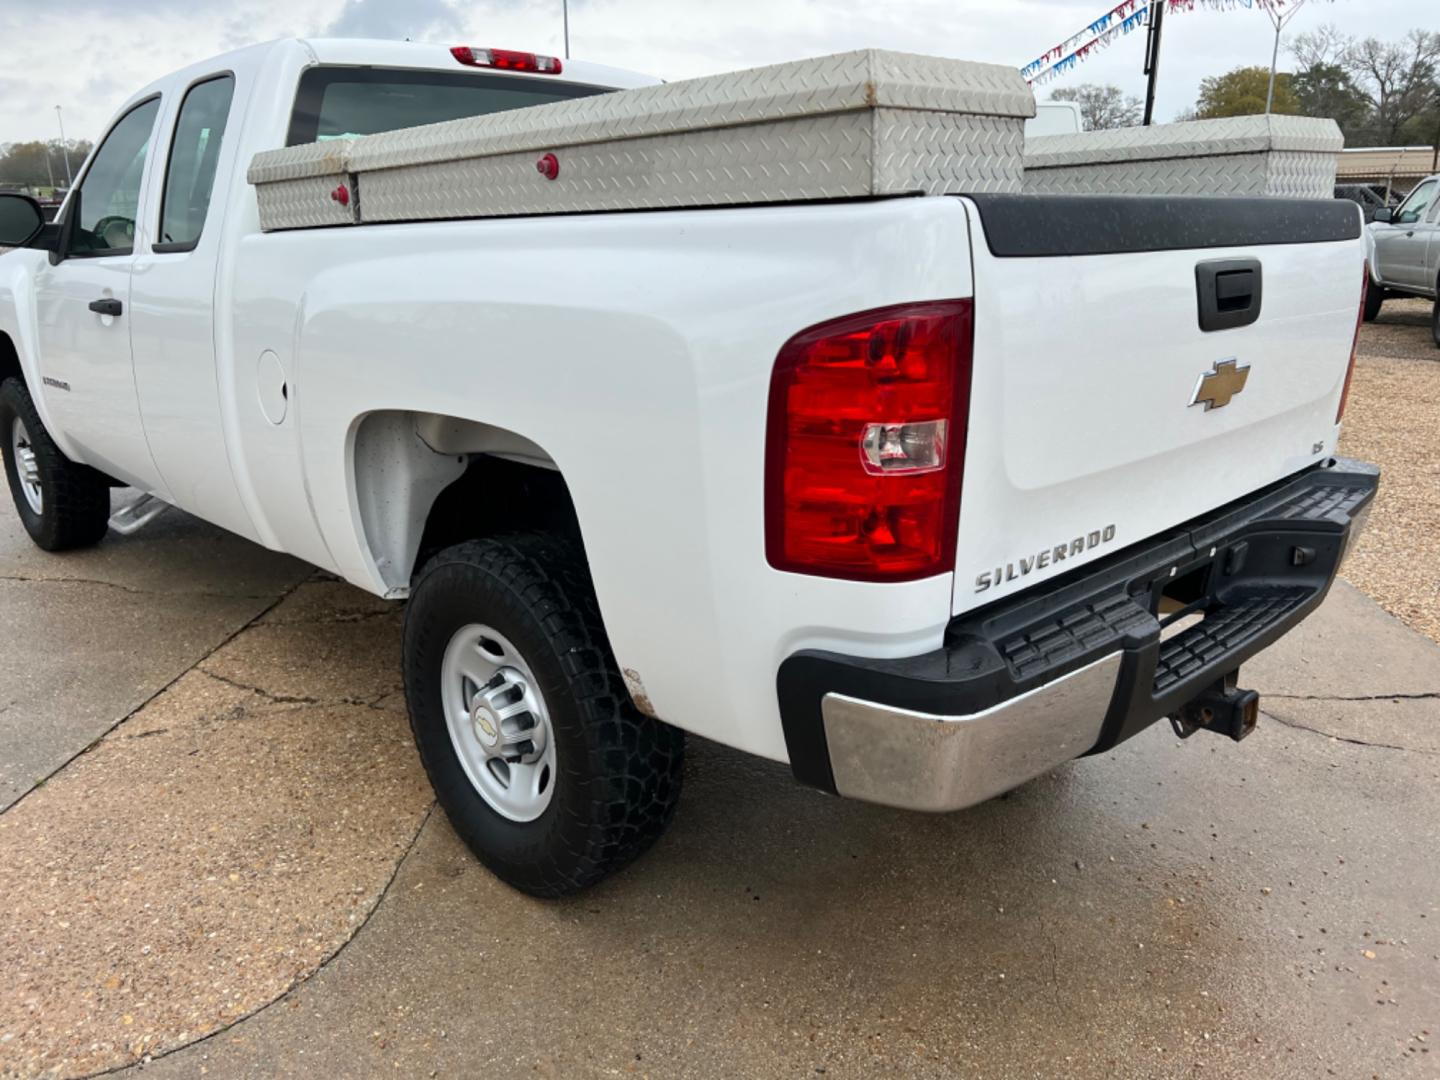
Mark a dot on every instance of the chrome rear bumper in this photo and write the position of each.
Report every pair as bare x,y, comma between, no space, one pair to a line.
921,761
1079,663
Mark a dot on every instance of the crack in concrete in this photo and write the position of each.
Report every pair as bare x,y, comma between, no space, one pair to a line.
300,981
40,782
1298,726
1429,696
293,699
1054,960
341,617
134,591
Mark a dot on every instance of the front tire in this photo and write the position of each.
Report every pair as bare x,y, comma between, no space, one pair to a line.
1435,317
62,504
536,753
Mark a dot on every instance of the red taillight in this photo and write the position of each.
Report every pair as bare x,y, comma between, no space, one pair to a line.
866,441
507,60
1355,344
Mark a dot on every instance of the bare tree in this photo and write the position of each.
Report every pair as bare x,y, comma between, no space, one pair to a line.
1399,80
1326,45
1101,107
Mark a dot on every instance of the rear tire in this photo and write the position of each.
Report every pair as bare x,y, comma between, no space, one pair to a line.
62,504
1435,317
1373,299
600,779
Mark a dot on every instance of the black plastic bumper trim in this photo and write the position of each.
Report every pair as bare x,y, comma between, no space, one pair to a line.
1255,589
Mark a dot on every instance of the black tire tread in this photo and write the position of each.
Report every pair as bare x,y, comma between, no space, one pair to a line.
635,761
77,498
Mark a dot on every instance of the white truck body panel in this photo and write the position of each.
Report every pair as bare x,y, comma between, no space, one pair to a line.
1082,426
652,357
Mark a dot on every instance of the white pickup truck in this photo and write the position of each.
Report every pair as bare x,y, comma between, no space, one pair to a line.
923,494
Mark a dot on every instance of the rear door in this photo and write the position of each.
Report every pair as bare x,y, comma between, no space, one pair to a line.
83,301
1103,409
172,321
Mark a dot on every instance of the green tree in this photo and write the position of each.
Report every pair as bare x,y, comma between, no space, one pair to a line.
1242,93
1327,90
1101,107
40,164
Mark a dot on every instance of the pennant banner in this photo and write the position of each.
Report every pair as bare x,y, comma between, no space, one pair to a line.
1138,16
1122,19
1069,45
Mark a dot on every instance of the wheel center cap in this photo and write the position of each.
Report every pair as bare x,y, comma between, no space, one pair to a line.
487,725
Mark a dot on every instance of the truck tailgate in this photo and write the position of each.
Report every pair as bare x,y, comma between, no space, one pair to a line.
1089,427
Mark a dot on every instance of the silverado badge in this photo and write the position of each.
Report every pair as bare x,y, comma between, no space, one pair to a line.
1216,388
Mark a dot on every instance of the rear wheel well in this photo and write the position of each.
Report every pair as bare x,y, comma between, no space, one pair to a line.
425,481
9,360
495,496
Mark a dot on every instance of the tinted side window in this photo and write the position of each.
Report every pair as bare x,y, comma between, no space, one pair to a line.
110,192
194,153
1416,205
340,102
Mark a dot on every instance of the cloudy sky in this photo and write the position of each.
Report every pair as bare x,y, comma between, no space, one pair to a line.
88,55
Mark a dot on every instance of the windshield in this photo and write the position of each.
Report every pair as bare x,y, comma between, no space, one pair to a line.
345,102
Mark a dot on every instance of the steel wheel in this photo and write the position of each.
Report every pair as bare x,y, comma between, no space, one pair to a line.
26,465
498,722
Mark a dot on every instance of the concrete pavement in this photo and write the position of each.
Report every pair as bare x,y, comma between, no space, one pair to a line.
1172,909
90,635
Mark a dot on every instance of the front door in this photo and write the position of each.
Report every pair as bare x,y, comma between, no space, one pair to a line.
1400,245
82,303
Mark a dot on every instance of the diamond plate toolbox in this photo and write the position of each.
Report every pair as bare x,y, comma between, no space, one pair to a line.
1288,156
856,124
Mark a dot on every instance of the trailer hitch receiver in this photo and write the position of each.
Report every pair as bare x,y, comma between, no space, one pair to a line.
1222,708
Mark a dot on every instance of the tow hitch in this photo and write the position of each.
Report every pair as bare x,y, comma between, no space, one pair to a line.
1223,708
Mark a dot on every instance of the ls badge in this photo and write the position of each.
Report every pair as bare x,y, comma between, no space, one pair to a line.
1216,389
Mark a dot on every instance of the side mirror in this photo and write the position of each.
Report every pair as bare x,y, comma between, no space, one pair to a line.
1384,214
21,220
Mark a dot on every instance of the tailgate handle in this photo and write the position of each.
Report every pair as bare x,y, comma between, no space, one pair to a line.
1228,293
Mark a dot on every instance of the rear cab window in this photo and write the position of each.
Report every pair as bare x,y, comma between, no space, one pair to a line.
346,102
194,155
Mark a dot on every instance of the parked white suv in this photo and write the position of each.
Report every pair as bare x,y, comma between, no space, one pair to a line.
1405,251
923,495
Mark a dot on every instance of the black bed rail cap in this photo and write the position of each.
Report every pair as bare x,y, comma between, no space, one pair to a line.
1046,226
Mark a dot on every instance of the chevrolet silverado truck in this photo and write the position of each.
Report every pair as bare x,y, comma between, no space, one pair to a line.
1404,252
923,494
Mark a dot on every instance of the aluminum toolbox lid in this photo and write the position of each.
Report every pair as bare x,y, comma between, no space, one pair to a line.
1186,139
865,79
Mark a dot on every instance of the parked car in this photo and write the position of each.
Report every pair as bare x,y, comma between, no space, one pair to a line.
924,495
1404,252
1368,199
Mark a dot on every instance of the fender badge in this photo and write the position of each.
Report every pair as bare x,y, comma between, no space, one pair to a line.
1216,388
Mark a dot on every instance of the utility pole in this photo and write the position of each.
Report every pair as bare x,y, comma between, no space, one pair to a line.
565,12
69,176
1278,19
1152,56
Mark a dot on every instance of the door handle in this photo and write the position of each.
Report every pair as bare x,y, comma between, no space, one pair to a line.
106,307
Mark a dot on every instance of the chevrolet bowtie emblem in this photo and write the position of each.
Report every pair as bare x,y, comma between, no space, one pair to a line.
1216,389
